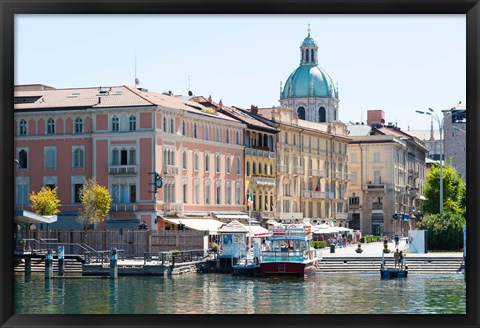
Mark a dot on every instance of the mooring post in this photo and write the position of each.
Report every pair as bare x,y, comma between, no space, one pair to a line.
49,264
113,263
28,265
61,263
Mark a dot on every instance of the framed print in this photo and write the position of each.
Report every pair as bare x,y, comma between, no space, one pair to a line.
230,164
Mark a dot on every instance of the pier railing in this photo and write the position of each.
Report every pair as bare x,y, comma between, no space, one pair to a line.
167,258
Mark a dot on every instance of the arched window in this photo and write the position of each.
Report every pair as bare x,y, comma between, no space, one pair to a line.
195,160
307,59
266,169
259,168
227,164
254,168
301,113
312,55
132,123
50,126
228,136
115,157
237,138
206,133
217,163
207,162
322,116
238,165
265,140
217,135
195,130
184,159
164,124
78,125
184,131
248,169
23,127
22,159
115,123
172,125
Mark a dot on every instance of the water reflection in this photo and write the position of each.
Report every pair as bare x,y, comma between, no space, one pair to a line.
196,293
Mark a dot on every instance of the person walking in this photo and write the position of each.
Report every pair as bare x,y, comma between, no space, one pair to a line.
397,240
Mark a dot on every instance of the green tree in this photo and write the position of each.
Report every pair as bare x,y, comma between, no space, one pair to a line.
443,233
45,202
454,190
96,203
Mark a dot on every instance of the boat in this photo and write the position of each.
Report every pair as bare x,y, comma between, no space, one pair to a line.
289,253
386,273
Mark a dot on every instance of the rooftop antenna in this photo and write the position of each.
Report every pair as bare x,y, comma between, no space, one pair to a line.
361,115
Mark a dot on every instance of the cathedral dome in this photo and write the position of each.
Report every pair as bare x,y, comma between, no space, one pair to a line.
309,81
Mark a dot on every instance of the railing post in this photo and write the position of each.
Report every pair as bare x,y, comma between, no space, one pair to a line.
61,263
28,265
49,264
113,263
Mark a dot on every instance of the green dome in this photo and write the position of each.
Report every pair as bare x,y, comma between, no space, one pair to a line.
299,83
309,42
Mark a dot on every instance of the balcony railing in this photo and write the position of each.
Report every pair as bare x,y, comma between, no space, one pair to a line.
169,170
377,206
282,168
259,152
263,181
317,194
298,170
122,169
375,185
354,206
123,207
173,207
316,173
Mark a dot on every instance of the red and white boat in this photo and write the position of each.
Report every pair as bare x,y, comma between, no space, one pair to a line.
289,253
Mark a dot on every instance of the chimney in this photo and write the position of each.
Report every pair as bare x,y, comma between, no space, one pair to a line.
375,117
254,109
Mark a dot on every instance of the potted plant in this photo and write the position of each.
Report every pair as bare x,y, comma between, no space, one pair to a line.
385,248
359,248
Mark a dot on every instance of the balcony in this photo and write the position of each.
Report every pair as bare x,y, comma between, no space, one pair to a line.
375,186
170,208
316,173
264,152
341,216
263,181
123,207
298,170
169,170
354,206
122,169
377,206
317,194
282,168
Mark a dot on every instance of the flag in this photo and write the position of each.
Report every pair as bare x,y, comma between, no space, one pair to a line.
249,202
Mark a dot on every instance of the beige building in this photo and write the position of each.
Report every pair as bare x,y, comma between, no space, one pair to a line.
312,168
454,128
387,169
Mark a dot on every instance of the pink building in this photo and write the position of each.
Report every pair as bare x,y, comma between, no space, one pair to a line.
120,135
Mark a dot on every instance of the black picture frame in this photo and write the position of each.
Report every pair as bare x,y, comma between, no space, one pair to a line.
9,8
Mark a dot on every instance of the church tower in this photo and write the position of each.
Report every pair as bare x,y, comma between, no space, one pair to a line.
309,90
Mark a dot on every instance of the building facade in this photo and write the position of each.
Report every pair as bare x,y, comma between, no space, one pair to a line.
455,134
120,136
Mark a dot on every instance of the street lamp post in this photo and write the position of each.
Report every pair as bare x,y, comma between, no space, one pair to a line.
440,122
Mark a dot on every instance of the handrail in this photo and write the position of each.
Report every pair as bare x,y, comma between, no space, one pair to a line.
172,257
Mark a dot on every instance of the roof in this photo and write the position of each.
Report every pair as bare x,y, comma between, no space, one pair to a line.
358,130
248,118
233,226
30,217
309,81
425,134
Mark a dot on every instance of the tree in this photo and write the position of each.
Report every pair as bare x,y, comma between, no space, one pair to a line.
96,203
454,191
45,202
443,233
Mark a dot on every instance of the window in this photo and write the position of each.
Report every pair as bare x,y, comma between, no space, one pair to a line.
132,157
228,164
133,193
218,190
301,113
248,169
115,124
184,159
229,194
76,192
50,126
172,125
228,136
195,130
132,123
196,191
206,133
123,157
207,162
78,125
23,127
238,195
185,188
207,192
237,138
115,157
254,168
259,168
50,157
195,161
354,178
355,201
217,135
184,130
22,191
237,165
23,159
322,114
353,158
217,163
164,124
376,157
78,157
286,137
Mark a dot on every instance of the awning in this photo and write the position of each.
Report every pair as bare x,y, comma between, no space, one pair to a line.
258,231
30,217
209,225
232,216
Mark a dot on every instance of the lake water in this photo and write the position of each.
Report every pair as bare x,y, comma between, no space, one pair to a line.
223,293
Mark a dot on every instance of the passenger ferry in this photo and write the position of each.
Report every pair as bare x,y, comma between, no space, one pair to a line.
288,252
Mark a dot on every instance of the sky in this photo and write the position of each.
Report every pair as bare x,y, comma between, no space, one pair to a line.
397,63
